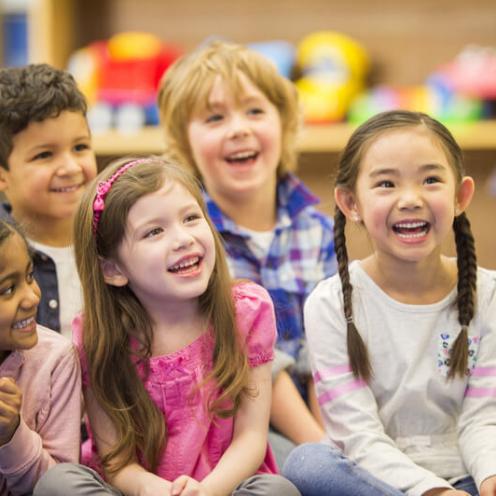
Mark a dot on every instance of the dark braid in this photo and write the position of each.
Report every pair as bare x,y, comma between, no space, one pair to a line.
357,351
467,282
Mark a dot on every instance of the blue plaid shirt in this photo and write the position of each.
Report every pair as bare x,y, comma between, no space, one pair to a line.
300,255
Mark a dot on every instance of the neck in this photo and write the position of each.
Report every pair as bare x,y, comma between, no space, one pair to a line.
176,325
424,282
257,212
57,233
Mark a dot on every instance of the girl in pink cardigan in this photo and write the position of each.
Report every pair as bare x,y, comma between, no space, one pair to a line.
40,379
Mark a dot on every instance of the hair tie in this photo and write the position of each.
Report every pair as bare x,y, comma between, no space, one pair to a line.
349,320
104,187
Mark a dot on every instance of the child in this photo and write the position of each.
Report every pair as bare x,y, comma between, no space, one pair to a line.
403,342
176,359
233,119
46,161
40,381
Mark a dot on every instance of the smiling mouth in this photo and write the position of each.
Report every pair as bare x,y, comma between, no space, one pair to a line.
242,158
411,230
22,324
66,189
185,266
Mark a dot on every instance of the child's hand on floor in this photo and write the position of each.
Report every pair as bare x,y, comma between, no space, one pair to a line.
10,408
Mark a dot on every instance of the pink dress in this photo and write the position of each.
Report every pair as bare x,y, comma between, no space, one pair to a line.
196,441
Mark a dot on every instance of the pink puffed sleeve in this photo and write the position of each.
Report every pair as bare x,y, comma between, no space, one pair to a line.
77,338
256,321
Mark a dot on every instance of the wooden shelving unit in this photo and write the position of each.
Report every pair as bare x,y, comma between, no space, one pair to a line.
329,138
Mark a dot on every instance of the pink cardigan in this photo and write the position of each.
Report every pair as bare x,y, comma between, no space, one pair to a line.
49,377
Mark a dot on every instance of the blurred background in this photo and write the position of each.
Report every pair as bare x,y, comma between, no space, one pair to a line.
348,60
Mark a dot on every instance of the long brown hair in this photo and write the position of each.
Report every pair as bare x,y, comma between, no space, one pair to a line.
112,315
186,86
348,169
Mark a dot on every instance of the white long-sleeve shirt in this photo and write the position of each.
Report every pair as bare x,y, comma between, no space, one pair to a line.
410,426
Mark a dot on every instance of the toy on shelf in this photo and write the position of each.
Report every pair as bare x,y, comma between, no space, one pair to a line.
433,99
280,53
472,72
334,67
120,78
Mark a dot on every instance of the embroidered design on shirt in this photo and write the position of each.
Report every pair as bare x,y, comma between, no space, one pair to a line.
445,345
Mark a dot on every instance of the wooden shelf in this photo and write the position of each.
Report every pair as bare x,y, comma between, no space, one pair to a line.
313,139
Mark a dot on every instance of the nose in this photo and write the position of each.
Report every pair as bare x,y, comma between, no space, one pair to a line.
31,295
68,165
182,238
239,126
410,199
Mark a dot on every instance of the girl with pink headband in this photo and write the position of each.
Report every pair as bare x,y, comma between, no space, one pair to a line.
176,357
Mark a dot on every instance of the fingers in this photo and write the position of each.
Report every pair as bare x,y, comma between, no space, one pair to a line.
10,395
8,385
178,485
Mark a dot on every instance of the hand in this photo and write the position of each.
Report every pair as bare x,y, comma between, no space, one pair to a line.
10,408
153,485
187,486
488,487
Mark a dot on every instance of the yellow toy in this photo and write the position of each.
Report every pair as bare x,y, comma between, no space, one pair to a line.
334,68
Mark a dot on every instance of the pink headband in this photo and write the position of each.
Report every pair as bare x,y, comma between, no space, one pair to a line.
103,188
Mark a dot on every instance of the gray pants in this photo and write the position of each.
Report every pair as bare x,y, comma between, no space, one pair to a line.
78,480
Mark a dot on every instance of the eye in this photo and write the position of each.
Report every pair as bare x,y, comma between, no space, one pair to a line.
385,183
214,118
255,111
192,217
432,180
42,155
81,147
153,232
7,291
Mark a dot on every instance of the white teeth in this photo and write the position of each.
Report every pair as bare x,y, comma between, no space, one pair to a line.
411,235
410,225
241,155
23,323
185,264
66,189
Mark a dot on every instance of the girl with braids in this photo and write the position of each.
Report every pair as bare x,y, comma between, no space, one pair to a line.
403,342
175,357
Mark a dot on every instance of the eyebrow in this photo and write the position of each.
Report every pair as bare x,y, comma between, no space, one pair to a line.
181,211
395,172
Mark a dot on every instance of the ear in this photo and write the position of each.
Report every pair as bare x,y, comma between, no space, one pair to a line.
4,179
347,203
464,194
112,274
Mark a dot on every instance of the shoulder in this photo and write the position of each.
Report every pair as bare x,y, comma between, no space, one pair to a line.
327,292
486,287
255,318
249,295
52,349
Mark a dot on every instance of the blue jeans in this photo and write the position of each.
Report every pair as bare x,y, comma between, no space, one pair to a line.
468,485
319,469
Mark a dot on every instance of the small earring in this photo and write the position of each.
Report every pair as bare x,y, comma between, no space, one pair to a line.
355,217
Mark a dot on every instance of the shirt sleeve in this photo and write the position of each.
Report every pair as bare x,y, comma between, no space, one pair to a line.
256,322
29,454
348,405
477,423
